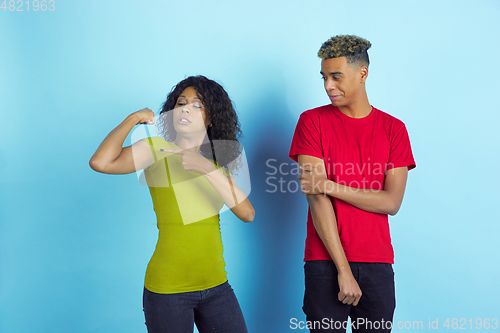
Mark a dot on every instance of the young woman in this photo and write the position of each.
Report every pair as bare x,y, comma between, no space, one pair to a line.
189,173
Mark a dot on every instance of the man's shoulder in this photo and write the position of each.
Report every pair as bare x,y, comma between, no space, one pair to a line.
390,119
319,111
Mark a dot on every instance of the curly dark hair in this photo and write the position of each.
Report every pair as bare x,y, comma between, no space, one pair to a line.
352,47
224,133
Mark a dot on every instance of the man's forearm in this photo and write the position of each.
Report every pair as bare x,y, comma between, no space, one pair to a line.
374,201
325,223
386,201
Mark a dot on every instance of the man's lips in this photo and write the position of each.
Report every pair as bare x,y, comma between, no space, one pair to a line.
334,97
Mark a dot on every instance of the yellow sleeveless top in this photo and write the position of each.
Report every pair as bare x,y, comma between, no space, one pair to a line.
188,255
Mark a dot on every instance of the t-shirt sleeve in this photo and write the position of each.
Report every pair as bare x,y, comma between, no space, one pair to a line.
401,154
306,139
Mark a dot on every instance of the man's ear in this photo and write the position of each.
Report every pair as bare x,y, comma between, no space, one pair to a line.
363,71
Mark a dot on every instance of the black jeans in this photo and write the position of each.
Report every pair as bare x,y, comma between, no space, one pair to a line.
213,310
326,313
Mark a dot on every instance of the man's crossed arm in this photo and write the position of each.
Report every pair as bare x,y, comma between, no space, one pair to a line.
386,201
325,223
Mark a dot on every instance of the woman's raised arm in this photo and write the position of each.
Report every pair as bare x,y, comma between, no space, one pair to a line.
112,158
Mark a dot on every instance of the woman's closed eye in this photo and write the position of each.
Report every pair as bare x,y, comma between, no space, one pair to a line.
197,105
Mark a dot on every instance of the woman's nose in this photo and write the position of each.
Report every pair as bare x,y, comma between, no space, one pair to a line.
185,109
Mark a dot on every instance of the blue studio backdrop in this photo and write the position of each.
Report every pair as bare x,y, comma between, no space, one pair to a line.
74,244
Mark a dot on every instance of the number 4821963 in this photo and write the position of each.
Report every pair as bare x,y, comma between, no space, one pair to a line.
35,5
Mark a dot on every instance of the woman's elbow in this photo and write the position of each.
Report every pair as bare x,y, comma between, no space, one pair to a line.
96,165
249,216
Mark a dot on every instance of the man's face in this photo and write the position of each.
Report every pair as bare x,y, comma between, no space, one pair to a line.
342,81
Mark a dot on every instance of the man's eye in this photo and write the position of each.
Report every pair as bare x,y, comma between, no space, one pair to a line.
323,78
336,78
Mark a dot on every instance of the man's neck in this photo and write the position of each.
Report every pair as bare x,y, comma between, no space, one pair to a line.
359,109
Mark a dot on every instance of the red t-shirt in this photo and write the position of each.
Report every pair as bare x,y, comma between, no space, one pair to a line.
357,152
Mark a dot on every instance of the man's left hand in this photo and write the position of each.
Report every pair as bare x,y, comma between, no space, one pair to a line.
312,180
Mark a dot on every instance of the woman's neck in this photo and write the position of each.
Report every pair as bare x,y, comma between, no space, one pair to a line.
190,143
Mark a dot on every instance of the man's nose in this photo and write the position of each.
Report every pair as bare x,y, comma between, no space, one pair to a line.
329,85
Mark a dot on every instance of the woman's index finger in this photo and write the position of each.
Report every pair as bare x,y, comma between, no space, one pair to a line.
171,150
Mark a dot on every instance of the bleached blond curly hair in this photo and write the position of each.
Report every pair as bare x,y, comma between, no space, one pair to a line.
354,48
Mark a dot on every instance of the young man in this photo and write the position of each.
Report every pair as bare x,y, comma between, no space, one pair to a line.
354,160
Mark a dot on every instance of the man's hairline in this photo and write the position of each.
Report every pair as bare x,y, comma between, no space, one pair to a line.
352,64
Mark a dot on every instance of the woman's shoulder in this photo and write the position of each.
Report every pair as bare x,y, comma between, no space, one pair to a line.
158,141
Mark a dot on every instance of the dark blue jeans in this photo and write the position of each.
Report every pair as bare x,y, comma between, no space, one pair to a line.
213,310
375,309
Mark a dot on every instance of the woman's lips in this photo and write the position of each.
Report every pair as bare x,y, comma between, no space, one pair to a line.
183,121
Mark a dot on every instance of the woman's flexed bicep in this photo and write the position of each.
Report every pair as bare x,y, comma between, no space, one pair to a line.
132,158
111,158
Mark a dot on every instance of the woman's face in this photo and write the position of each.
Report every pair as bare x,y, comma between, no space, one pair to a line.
189,114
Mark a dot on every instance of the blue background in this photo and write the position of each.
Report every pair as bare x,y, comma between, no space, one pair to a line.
74,244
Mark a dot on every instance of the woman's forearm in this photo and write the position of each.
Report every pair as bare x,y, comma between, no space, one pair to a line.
111,146
234,198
